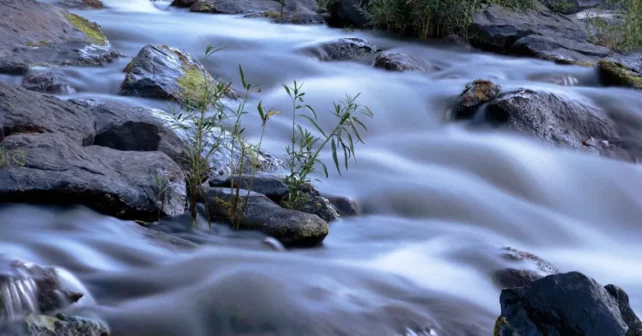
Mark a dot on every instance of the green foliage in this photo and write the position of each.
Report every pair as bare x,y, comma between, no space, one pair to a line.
305,148
160,187
624,31
561,6
431,18
90,29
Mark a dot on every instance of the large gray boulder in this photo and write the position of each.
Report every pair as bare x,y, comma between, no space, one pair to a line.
51,82
564,304
622,70
294,11
36,33
290,227
538,33
343,49
401,61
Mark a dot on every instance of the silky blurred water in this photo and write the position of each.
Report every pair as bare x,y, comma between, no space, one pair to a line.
440,200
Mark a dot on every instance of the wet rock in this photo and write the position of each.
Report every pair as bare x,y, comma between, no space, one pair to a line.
166,73
524,268
622,71
399,61
47,82
345,206
58,325
628,315
538,33
294,11
317,205
81,4
34,33
346,13
510,277
48,168
550,307
291,228
344,49
572,6
27,288
183,3
474,95
269,185
23,111
133,128
542,266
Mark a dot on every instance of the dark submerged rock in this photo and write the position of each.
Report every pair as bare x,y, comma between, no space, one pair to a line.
345,206
399,61
36,33
629,317
346,13
50,169
550,307
344,49
623,71
474,95
183,3
538,33
47,82
166,73
291,228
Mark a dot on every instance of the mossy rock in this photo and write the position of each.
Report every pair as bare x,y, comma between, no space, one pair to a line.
474,95
92,30
614,73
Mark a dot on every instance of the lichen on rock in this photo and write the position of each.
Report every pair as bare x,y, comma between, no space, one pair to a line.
92,30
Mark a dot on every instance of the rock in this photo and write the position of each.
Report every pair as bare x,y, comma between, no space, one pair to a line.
628,315
48,168
399,61
23,111
621,71
474,95
166,73
345,206
511,277
572,6
343,49
47,82
539,33
183,3
319,206
36,33
58,325
531,268
550,307
291,228
27,288
562,121
294,11
543,266
133,128
346,13
81,4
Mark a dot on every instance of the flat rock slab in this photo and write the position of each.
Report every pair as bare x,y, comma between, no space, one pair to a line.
401,61
343,49
294,11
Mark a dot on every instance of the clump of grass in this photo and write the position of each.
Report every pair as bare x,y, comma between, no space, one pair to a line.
160,187
431,18
305,148
91,30
624,31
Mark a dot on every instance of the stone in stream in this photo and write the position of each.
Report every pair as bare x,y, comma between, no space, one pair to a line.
621,70
566,122
33,33
566,304
538,33
292,228
167,73
183,3
400,61
47,82
474,95
343,49
524,269
294,11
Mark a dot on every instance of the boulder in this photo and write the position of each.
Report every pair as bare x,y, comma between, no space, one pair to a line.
51,82
49,168
58,325
538,33
474,95
292,228
81,4
294,11
550,307
346,13
23,111
37,33
400,61
343,49
317,205
621,70
523,270
167,73
345,206
572,6
628,315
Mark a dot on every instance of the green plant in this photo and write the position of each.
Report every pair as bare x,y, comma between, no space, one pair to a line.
622,32
305,148
160,187
431,18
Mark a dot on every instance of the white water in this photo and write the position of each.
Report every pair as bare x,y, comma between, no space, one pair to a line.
440,200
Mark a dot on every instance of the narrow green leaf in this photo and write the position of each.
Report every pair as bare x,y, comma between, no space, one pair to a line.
356,133
334,155
242,76
315,125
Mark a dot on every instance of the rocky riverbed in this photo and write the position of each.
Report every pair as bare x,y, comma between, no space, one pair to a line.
495,176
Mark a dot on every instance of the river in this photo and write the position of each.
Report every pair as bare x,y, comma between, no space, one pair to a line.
440,200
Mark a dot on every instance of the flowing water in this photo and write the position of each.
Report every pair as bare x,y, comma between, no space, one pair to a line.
440,200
